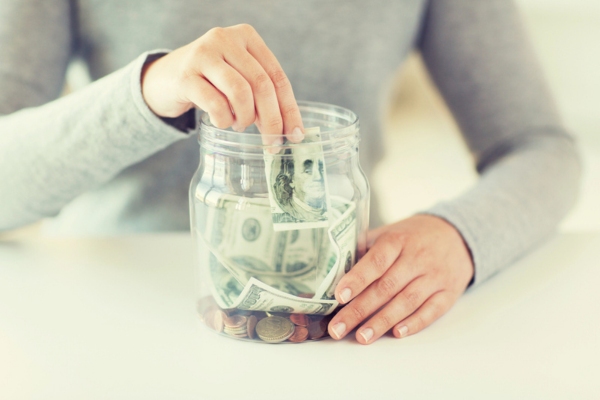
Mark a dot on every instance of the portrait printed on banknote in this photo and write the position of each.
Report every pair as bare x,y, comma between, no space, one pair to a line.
297,185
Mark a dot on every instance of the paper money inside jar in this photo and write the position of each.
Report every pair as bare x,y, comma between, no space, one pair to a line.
276,227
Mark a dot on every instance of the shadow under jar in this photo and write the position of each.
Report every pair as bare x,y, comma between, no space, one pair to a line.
276,227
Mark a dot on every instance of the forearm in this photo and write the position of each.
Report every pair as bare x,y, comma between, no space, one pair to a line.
519,201
479,56
52,153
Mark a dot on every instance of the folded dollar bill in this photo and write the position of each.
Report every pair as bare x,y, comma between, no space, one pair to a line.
297,184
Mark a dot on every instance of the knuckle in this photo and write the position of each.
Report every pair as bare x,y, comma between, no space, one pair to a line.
386,321
386,286
247,28
379,261
198,52
240,91
412,299
358,312
419,323
216,33
274,124
361,279
262,83
279,79
289,110
395,237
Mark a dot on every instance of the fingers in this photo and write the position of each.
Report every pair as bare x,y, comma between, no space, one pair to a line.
403,297
287,105
265,103
205,96
413,273
413,300
226,71
238,63
436,306
382,255
236,89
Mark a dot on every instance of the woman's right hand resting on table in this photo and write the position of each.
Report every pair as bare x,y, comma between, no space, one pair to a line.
232,75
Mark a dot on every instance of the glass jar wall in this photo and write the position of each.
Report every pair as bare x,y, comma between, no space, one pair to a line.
276,227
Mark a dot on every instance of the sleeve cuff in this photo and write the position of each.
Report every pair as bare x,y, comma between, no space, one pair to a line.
183,124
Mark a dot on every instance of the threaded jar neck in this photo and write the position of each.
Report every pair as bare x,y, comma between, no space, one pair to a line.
339,132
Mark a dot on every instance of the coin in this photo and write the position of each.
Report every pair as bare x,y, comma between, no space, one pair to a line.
214,319
300,335
235,321
317,329
235,331
274,329
251,326
299,319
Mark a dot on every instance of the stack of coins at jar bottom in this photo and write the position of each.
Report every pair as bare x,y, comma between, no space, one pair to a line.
301,332
265,327
236,326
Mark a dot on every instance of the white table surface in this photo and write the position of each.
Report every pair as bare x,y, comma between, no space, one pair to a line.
114,318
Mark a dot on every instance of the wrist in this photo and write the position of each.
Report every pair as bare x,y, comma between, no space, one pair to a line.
458,243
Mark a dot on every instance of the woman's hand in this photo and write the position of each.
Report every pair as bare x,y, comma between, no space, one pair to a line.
414,271
231,74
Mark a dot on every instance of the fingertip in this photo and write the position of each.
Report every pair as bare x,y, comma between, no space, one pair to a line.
296,136
400,331
337,330
366,335
344,295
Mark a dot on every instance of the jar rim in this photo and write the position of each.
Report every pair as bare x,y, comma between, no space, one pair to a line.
348,120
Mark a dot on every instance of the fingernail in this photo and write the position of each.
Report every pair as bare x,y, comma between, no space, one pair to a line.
403,330
339,329
297,135
367,334
345,295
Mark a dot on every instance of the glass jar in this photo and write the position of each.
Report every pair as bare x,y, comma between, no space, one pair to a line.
276,227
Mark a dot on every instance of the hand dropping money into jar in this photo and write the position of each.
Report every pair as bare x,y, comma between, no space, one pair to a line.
275,264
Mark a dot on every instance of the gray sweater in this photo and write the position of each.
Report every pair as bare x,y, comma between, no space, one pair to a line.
100,162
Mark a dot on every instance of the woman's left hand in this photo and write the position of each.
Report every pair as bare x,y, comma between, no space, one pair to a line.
413,273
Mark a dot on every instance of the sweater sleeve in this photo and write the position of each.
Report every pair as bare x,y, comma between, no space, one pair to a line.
53,149
479,57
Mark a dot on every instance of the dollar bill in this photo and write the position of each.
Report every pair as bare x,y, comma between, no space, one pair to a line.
249,255
260,296
296,181
232,280
229,293
342,236
240,233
